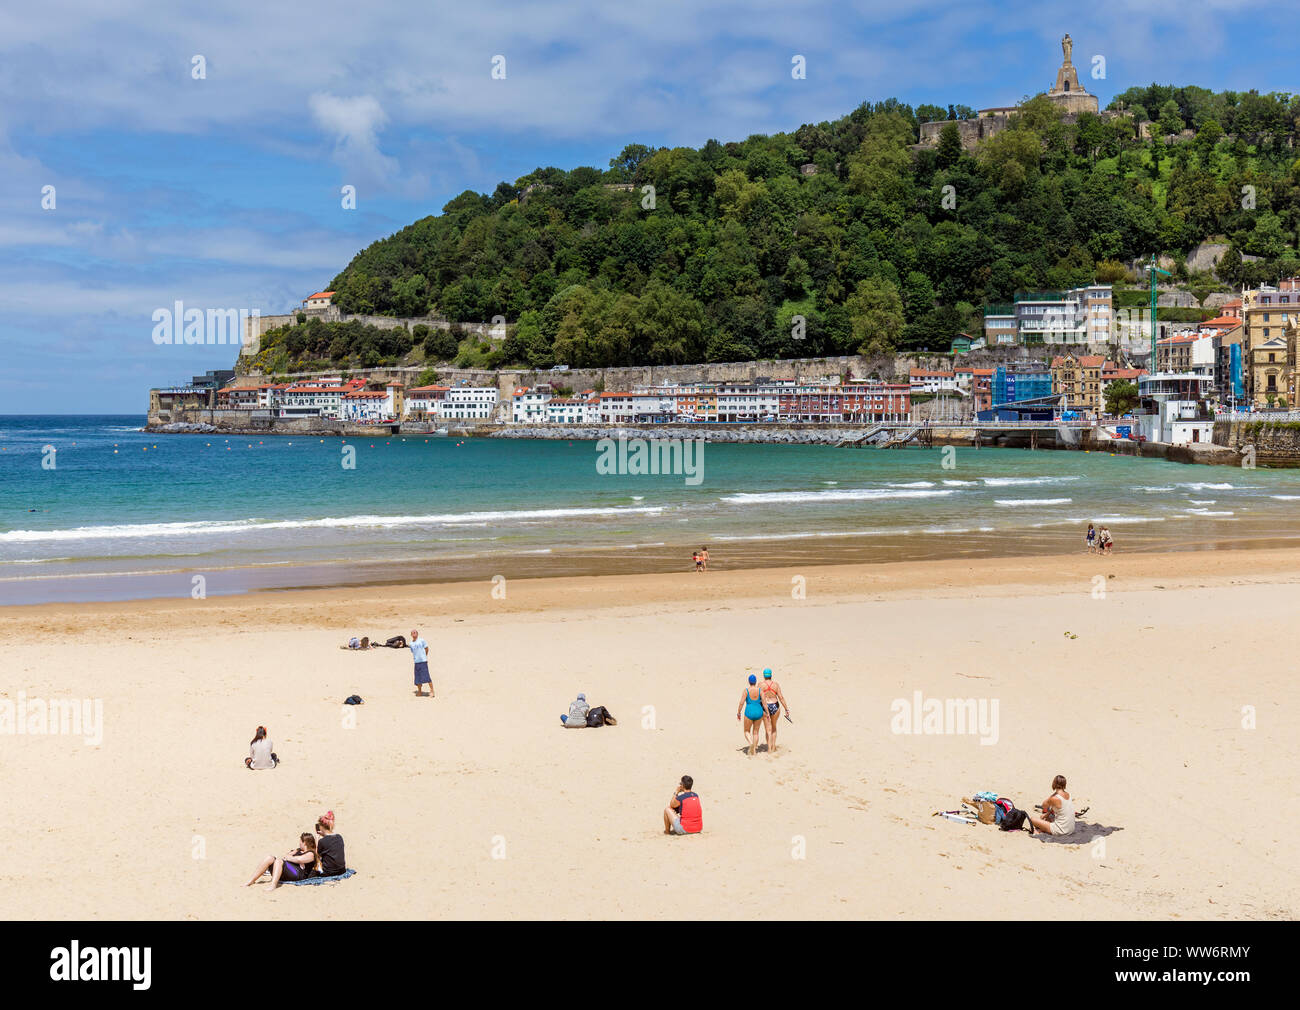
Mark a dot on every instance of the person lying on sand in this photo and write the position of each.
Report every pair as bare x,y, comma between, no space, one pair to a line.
297,865
1058,811
356,643
261,752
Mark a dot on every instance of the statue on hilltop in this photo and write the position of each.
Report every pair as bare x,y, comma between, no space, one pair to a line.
1067,47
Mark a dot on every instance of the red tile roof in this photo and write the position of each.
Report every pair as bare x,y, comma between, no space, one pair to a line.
319,294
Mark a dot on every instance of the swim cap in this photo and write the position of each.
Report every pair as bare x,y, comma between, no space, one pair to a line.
768,674
753,679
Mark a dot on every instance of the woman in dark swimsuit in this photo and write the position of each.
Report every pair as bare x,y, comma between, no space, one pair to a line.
297,865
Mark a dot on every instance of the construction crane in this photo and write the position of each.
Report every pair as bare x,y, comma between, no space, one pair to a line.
1155,274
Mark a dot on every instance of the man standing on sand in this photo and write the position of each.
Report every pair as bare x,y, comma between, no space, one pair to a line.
683,816
420,650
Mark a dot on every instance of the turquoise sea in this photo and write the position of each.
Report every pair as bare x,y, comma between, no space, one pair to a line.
113,513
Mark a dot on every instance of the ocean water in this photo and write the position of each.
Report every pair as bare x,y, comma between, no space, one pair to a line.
92,508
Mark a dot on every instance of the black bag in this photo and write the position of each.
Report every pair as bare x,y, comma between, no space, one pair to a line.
354,699
600,716
1014,820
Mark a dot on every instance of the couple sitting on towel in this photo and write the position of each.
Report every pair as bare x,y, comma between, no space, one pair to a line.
300,864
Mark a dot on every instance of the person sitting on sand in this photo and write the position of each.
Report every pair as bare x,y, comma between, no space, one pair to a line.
1058,811
577,717
772,699
1107,544
752,704
683,815
261,752
1090,541
419,649
297,865
330,847
356,643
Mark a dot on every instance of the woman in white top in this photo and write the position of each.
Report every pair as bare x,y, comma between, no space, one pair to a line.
1058,811
261,752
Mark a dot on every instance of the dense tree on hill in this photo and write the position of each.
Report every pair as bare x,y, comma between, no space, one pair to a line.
736,249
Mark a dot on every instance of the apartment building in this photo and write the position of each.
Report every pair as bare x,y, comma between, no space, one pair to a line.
1078,316
1078,379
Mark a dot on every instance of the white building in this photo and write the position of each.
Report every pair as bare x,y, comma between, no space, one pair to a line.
423,401
564,411
630,408
365,406
476,403
528,406
312,398
926,381
1174,408
737,402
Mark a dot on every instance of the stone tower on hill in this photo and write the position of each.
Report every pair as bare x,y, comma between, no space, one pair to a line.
1067,93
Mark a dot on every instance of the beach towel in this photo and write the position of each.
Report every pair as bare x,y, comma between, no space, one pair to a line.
322,880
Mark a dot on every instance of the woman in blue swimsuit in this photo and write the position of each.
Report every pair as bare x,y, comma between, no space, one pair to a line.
752,704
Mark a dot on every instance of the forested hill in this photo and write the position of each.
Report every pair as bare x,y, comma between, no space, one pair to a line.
845,224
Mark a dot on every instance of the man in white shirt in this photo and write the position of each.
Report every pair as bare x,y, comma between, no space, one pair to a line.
420,650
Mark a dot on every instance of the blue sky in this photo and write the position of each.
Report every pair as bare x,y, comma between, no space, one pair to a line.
224,192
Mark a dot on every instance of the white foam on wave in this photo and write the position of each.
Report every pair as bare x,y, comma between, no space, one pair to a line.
1014,481
1208,512
1204,486
239,526
1279,497
959,483
1032,501
808,535
857,494
915,483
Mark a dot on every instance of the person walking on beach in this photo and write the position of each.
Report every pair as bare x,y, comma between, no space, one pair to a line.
1058,811
1090,541
773,700
752,705
420,650
1107,544
698,558
683,816
704,556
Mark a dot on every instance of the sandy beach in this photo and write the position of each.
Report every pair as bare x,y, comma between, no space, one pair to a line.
1128,674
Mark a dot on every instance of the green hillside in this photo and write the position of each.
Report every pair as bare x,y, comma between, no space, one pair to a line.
740,237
